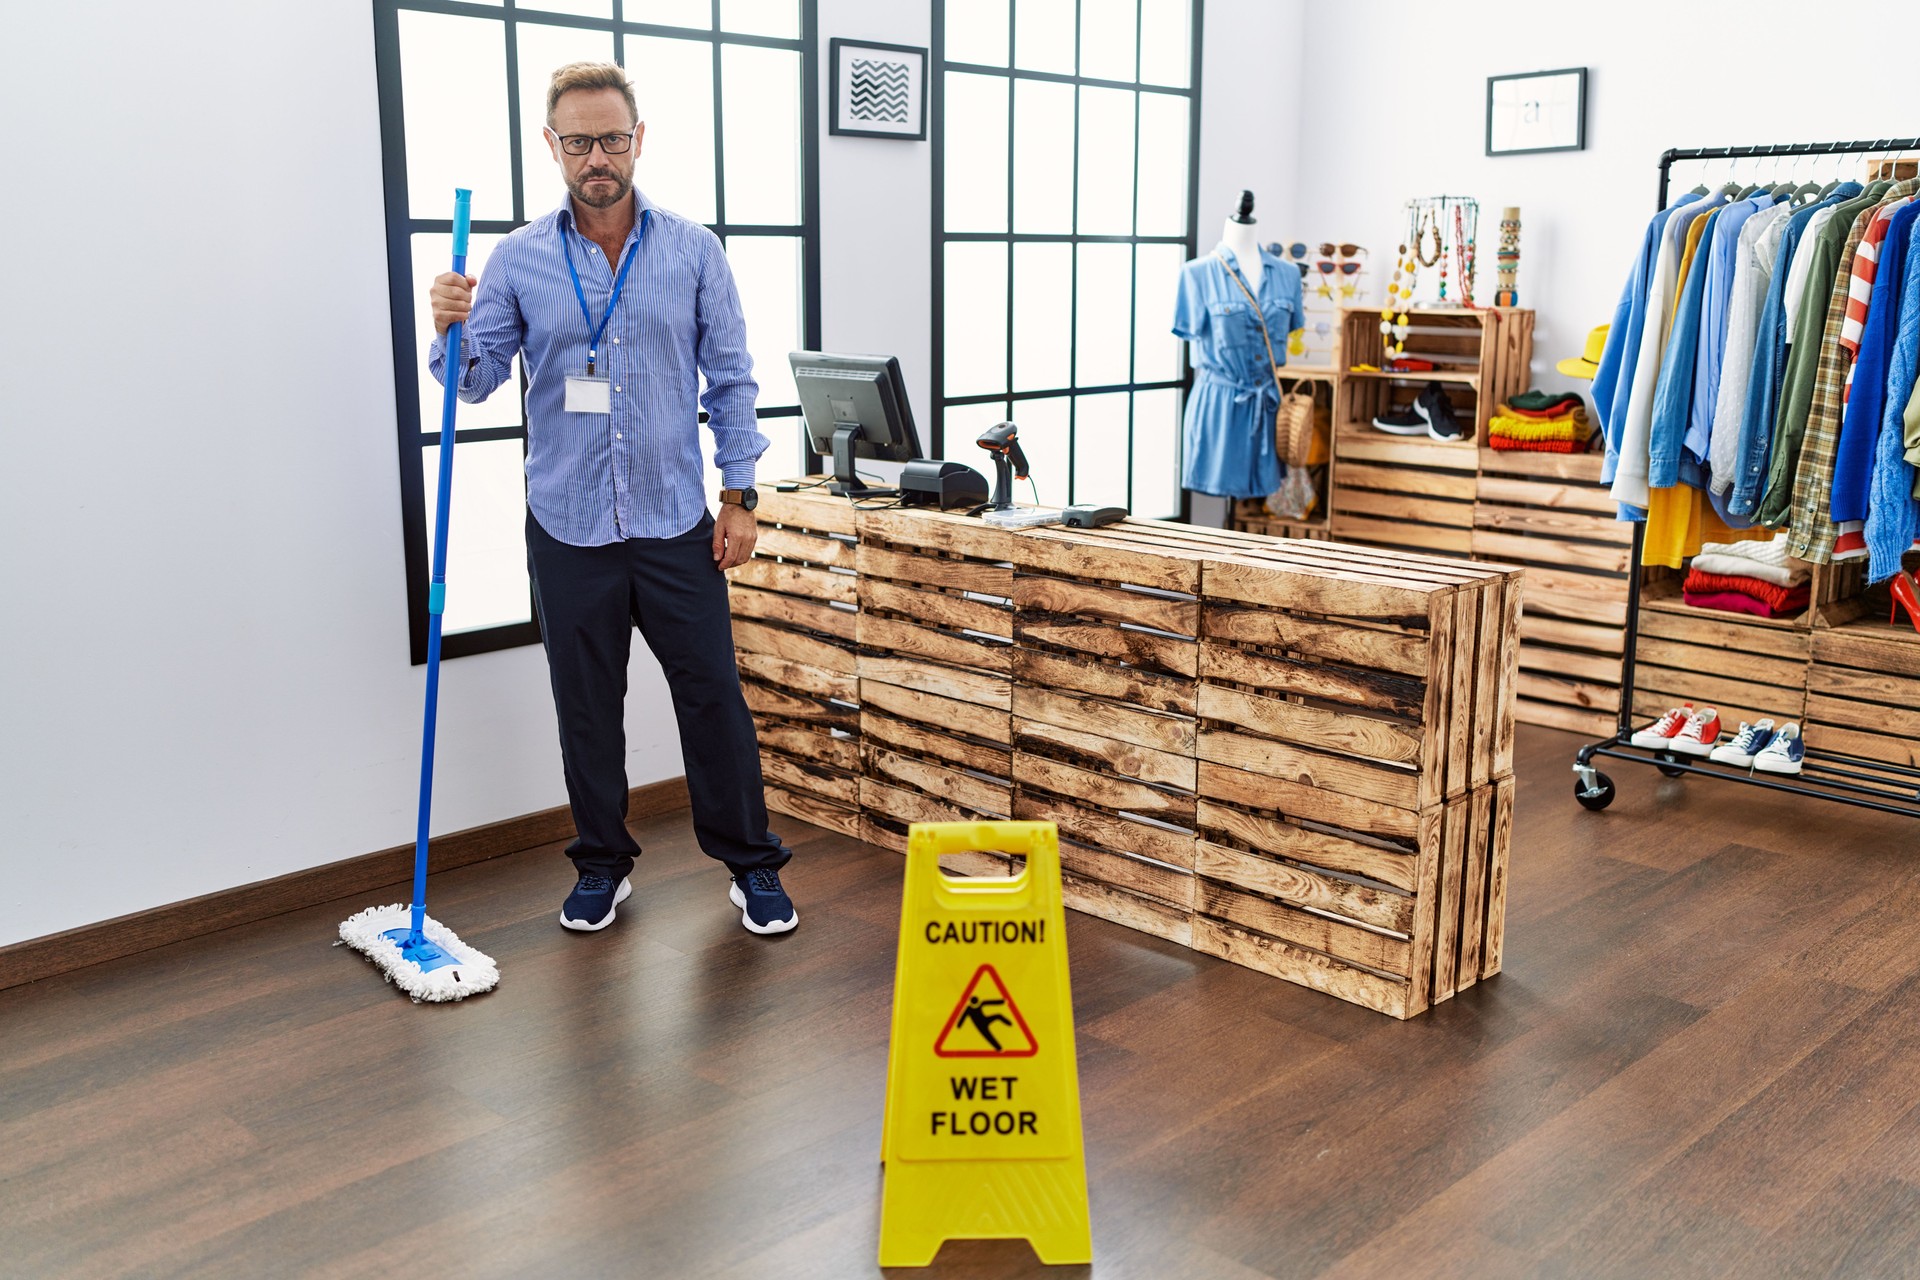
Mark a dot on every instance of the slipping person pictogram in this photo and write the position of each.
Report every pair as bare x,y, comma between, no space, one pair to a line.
986,1022
976,1013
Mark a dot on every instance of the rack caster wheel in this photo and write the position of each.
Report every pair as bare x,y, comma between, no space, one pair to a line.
1667,766
1598,798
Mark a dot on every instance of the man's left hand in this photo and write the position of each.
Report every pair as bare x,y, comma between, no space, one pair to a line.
734,533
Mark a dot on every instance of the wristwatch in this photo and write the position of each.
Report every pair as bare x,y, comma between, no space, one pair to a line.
748,498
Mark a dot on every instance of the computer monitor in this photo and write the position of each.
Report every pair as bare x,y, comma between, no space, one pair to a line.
855,407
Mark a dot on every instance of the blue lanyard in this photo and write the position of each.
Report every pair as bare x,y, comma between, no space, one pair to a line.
593,343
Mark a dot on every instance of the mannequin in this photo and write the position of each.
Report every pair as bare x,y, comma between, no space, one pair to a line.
1236,324
1243,241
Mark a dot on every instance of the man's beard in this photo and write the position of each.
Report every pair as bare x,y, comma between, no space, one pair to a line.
621,186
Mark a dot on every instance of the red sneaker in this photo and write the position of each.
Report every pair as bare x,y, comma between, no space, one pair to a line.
1661,732
1697,736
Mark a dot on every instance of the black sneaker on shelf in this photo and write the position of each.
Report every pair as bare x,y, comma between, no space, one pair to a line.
1401,422
1435,408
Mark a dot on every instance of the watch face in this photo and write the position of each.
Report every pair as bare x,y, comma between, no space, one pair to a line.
749,498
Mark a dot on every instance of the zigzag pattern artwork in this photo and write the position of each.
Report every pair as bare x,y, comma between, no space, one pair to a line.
879,90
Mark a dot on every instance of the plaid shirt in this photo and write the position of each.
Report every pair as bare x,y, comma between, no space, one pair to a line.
1812,532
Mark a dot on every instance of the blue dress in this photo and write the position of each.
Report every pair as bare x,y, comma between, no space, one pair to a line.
1228,447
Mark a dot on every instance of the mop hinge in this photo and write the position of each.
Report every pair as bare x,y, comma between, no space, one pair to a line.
436,597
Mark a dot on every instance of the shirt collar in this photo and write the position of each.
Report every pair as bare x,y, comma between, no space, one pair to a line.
1268,261
642,207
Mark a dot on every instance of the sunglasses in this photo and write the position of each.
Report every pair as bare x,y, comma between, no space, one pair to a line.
1329,249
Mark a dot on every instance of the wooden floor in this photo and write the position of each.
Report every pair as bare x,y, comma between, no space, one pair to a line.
1703,1059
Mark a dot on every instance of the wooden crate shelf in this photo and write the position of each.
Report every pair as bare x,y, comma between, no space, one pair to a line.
1126,682
1403,491
1863,691
1744,667
1480,355
1392,908
795,618
1550,514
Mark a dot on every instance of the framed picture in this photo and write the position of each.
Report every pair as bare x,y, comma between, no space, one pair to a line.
1539,111
878,90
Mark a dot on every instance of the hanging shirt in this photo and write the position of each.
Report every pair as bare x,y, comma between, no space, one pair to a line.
1673,393
1893,503
1630,476
1229,447
1613,379
1829,245
1710,354
1866,405
1812,534
1753,273
1755,448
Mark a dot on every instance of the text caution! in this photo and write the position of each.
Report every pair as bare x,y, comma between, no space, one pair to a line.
982,1135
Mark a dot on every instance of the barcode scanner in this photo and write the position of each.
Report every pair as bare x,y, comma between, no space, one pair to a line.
1009,461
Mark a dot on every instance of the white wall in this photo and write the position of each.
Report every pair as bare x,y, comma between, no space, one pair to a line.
207,678
1402,112
876,217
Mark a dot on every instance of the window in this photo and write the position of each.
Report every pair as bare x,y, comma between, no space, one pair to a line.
1064,206
728,89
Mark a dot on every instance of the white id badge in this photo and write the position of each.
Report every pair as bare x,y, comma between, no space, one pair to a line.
589,393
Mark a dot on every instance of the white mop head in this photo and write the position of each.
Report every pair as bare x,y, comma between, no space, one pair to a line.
472,972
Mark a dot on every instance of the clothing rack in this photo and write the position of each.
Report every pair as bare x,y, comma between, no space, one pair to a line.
1826,775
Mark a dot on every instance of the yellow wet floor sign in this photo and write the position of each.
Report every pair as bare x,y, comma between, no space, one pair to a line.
982,1135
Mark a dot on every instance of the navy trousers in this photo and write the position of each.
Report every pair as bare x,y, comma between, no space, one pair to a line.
589,600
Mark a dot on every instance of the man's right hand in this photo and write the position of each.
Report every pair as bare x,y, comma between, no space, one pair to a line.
452,299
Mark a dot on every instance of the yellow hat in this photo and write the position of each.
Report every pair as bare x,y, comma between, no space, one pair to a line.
1588,363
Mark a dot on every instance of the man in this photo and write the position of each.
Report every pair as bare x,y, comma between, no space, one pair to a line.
615,305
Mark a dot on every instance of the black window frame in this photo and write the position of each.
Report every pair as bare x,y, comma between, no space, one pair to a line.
938,67
413,437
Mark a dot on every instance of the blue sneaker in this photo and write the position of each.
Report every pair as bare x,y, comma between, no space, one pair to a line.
1744,745
764,905
1784,753
590,905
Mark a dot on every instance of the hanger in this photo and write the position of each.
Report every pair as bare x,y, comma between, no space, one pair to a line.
1835,180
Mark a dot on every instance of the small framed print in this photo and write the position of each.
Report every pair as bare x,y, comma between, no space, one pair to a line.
878,90
1539,111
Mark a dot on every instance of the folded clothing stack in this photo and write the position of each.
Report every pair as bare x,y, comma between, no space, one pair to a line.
1538,422
1747,577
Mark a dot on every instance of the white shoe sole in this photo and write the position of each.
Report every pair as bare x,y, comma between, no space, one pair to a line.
1651,741
1720,755
587,926
739,900
1447,439
1765,764
1687,747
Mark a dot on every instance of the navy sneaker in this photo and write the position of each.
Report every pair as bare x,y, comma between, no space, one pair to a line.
764,905
590,905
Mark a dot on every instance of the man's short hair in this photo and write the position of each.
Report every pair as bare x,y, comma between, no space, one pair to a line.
590,75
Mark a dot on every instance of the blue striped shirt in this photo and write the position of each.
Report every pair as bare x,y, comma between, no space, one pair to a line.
596,478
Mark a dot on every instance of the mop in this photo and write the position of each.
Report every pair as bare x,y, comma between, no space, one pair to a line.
417,953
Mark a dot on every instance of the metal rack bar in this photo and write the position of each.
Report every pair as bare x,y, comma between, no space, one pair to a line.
1851,777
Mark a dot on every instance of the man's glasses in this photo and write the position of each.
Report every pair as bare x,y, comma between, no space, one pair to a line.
580,144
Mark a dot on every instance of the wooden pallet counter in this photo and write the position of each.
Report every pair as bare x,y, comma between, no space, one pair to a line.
795,629
1863,691
1295,755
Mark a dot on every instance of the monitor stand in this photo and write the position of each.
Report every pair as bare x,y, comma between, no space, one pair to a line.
846,482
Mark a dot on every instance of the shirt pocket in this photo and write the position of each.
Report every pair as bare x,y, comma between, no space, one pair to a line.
1236,334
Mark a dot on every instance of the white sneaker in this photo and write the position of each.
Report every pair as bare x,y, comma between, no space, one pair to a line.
1739,749
1697,736
1660,733
1783,753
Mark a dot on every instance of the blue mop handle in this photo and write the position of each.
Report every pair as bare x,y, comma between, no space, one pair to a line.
437,589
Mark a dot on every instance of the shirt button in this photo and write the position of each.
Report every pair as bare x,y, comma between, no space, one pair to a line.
618,436
616,342
616,388
590,249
